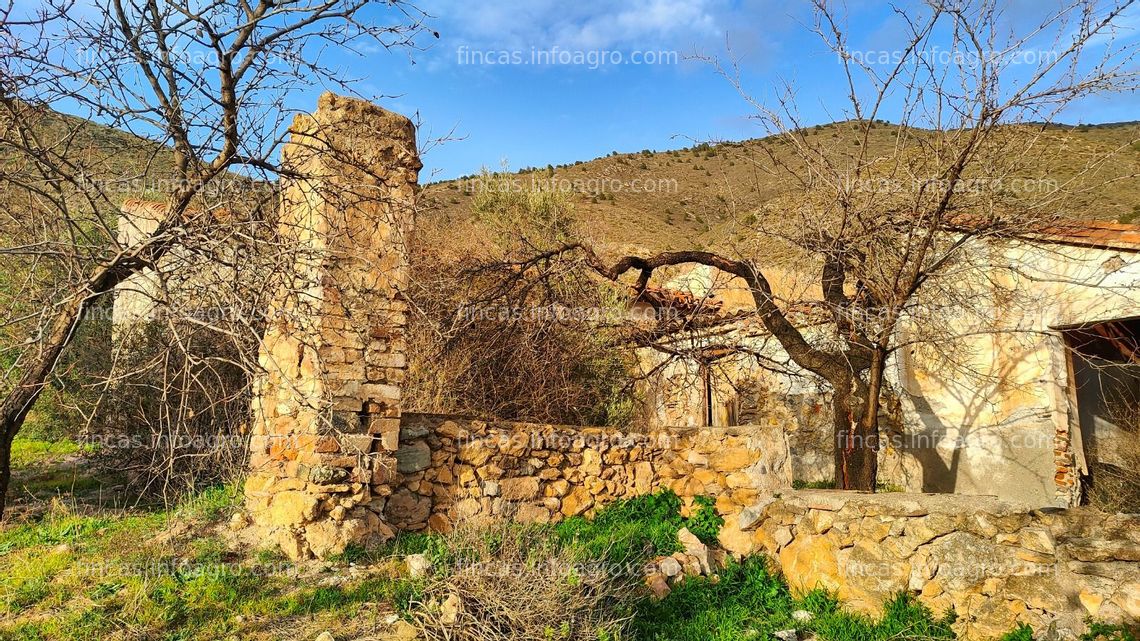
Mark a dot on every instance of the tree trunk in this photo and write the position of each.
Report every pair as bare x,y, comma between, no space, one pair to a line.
5,469
856,407
15,407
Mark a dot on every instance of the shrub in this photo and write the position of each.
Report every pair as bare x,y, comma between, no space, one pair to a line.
1021,633
705,522
480,330
517,582
1099,631
1115,486
1130,217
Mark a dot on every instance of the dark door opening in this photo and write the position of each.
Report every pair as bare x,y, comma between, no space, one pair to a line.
1105,365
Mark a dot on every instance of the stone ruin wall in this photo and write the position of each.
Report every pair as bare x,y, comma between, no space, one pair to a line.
326,412
334,462
453,470
995,563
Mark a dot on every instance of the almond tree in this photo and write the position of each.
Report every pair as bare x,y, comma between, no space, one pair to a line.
876,225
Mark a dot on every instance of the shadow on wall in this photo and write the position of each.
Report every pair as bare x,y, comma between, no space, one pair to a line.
1001,440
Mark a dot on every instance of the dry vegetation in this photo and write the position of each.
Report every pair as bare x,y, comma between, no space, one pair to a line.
698,197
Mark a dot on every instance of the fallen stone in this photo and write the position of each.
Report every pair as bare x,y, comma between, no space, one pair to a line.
239,521
658,585
695,548
669,566
418,565
403,631
450,609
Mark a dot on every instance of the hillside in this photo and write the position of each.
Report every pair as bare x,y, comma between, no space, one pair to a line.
123,164
657,200
691,197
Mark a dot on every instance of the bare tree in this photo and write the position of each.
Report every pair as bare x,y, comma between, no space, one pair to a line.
887,217
489,337
206,84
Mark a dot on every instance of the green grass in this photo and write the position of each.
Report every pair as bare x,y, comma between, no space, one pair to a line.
1021,633
58,482
1098,631
41,471
747,602
211,504
750,601
58,527
73,576
635,530
27,452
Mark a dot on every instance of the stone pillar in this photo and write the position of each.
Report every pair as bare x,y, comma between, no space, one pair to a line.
326,408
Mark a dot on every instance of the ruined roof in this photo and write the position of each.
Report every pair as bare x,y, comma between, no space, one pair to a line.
1082,233
146,208
1092,233
679,300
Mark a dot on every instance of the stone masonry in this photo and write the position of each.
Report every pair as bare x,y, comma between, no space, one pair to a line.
326,413
995,563
452,469
333,461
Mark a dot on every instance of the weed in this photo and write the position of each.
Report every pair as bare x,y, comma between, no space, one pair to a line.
747,602
750,601
627,532
1099,631
1021,633
705,523
353,553
211,504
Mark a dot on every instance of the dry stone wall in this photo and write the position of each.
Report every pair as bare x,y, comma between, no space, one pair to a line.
326,412
452,469
995,563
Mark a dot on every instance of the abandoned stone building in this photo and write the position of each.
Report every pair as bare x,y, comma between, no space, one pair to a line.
335,460
1041,386
1031,387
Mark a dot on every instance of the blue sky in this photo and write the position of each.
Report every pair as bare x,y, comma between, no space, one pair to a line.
585,105
535,114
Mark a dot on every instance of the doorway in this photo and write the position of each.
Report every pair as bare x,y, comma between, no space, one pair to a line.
1104,365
